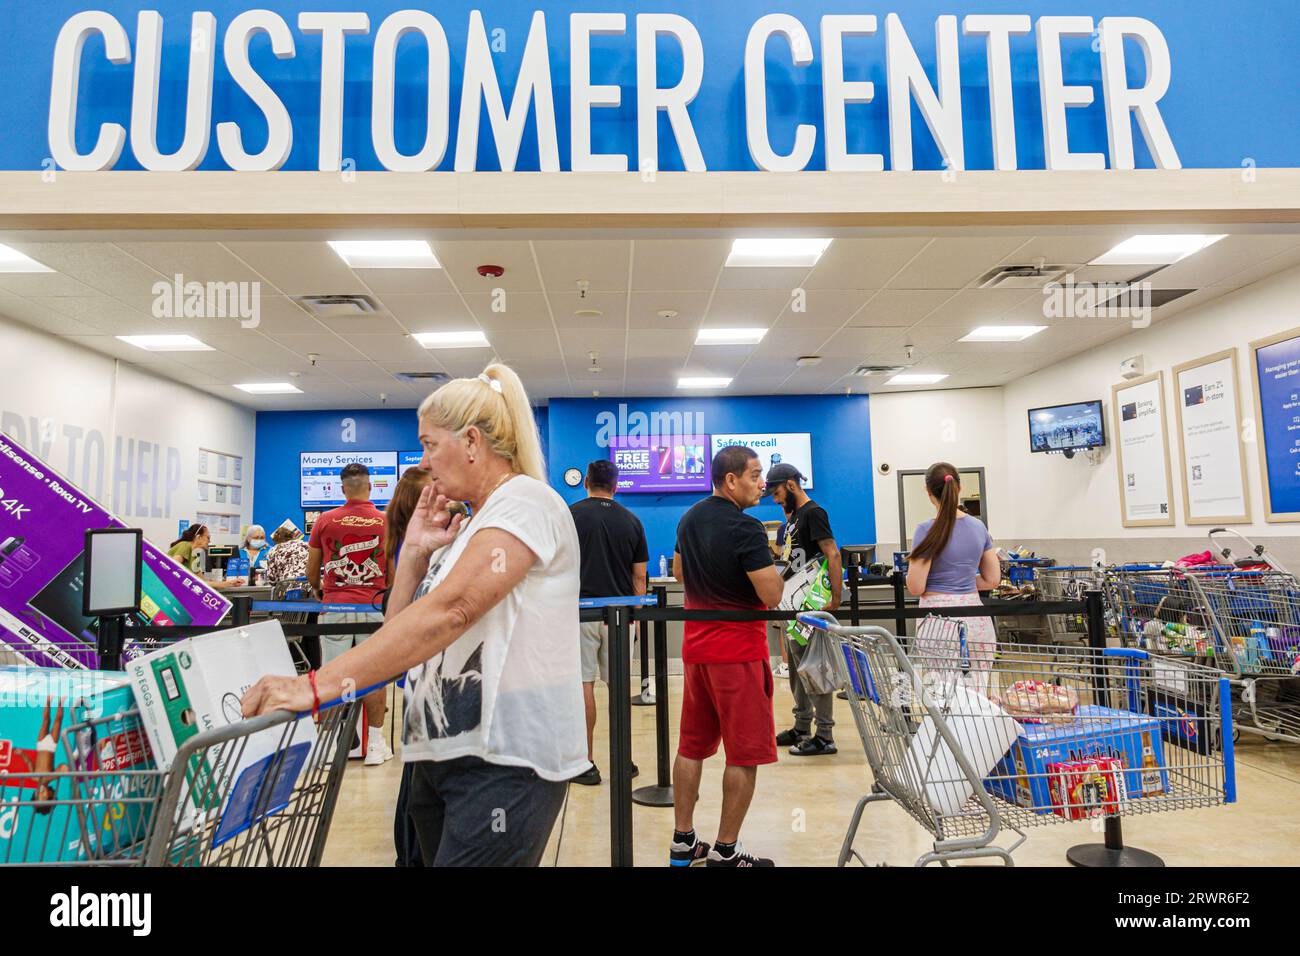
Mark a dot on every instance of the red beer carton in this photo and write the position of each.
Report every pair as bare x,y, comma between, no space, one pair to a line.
1086,788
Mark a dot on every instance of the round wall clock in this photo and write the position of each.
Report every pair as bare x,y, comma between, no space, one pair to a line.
573,477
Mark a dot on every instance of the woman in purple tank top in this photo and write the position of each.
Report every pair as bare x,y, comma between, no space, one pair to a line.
951,561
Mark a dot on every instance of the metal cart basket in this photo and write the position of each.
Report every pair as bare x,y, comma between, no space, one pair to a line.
971,745
215,806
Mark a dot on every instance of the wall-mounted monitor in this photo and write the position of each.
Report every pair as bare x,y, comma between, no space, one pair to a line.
1067,427
656,466
774,448
322,488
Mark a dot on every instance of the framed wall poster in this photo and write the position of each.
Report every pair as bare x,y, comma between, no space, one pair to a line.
1215,489
1146,489
1275,368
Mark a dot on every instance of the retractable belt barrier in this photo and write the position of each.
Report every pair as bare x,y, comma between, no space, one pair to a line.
620,613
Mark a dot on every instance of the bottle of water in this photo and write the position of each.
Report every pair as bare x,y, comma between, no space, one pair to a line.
663,565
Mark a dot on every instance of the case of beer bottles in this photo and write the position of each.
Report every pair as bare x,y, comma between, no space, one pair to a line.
1024,776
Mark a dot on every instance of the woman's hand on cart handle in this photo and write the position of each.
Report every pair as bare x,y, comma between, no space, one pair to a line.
278,693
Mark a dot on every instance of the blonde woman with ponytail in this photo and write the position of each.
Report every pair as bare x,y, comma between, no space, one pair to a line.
951,561
487,634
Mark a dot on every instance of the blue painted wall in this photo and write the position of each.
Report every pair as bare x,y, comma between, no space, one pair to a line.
841,446
1234,76
282,436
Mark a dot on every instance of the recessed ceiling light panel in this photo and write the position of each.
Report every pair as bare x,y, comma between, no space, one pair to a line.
268,388
1155,250
386,254
165,343
468,339
917,378
702,382
11,260
729,336
1002,333
776,253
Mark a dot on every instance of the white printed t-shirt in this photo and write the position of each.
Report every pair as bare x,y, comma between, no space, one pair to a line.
509,690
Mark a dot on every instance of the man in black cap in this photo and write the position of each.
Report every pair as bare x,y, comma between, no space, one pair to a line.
808,539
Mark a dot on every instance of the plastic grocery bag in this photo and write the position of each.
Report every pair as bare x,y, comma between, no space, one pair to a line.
984,733
808,589
817,667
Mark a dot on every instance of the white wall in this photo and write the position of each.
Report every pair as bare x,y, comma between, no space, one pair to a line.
1072,499
913,430
125,437
1065,507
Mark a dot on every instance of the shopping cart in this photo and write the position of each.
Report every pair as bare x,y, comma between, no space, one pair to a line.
294,589
1068,583
215,806
970,748
1261,554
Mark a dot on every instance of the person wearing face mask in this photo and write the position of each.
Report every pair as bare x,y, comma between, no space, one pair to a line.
253,547
808,539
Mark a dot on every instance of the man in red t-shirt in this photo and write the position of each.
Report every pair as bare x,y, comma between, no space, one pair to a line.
346,564
724,563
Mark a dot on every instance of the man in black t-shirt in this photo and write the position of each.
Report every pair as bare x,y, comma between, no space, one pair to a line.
808,539
613,564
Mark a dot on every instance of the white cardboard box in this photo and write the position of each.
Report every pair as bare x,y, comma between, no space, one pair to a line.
196,685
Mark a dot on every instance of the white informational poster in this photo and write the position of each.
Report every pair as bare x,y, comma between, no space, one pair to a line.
1214,473
1145,490
792,448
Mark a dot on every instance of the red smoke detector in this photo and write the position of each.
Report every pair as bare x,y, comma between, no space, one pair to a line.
491,272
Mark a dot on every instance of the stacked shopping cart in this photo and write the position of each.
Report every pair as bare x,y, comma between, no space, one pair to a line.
974,745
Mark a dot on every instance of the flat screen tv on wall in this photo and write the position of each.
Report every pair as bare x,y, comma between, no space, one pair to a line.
1062,428
656,466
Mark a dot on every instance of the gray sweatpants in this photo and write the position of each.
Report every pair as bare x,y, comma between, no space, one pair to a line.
806,704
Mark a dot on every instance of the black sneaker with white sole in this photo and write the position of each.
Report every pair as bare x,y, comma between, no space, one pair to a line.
738,858
788,738
588,778
687,854
813,747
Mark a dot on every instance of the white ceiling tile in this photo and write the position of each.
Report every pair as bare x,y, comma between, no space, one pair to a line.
299,268
824,308
611,305
427,312
40,314
952,263
462,259
659,343
602,263
35,285
367,325
388,348
678,264
1221,262
327,346
974,307
193,261
405,281
513,310
863,263
895,308
101,266
526,345
689,306
758,307
753,277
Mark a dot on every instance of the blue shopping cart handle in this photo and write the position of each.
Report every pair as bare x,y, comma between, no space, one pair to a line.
1136,653
639,600
814,620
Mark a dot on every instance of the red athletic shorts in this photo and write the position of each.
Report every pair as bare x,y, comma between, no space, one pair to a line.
731,703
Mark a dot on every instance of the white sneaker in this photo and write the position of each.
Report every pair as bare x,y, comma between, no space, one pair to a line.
377,751
781,670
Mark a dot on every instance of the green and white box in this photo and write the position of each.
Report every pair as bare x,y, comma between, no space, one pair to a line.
196,685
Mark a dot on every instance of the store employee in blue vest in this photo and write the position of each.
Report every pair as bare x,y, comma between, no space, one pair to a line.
614,557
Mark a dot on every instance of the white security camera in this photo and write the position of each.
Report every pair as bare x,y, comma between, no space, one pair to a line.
883,469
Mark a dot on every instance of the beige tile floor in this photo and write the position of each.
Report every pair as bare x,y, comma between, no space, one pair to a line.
802,807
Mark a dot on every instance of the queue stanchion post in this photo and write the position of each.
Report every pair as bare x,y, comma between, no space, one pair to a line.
853,595
660,793
241,610
644,697
1111,852
899,581
620,737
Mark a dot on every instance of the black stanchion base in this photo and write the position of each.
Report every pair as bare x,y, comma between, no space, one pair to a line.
653,796
1100,855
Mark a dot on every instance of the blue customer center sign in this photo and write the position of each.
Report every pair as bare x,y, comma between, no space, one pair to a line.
615,86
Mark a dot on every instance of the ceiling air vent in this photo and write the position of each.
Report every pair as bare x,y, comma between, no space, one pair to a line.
1141,296
427,377
1034,275
862,371
340,306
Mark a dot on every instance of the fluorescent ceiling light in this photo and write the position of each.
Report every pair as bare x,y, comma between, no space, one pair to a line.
917,378
165,343
11,260
777,252
1002,333
1154,250
703,382
269,388
729,336
452,340
387,254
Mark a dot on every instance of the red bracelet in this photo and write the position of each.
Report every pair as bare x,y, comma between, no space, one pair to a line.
315,696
